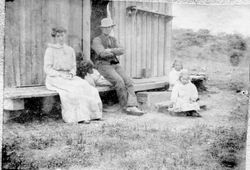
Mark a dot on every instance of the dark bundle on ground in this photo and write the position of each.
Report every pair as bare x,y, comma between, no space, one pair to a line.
235,58
199,85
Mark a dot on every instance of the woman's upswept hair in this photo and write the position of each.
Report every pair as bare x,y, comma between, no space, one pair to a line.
177,61
56,30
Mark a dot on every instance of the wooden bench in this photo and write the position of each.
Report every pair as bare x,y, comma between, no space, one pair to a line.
14,97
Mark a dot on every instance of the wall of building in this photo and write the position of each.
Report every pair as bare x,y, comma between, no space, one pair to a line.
145,36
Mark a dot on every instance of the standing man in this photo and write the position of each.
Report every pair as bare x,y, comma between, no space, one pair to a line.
107,48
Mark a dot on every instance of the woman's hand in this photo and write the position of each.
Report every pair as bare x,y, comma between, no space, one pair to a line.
171,104
67,75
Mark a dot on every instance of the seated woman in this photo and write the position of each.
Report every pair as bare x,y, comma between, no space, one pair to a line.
80,101
184,96
86,71
174,74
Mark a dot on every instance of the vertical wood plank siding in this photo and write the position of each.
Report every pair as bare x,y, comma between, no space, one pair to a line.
27,33
168,32
85,26
145,36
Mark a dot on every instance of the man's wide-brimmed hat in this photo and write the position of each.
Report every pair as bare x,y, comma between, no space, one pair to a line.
107,22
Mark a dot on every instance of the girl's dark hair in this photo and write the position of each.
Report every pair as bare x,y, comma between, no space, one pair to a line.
83,67
56,30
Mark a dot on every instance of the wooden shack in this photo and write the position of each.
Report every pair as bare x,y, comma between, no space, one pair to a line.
142,27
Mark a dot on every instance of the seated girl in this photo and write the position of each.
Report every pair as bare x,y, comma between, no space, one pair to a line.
184,96
174,74
86,71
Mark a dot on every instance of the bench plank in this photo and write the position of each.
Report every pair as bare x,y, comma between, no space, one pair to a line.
28,92
149,86
42,91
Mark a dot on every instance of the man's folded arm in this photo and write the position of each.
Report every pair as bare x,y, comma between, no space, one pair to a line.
99,48
118,50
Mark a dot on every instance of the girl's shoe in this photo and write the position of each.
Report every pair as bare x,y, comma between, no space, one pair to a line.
98,119
189,113
84,122
195,114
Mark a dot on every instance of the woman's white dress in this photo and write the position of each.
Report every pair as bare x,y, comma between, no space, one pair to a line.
80,101
184,97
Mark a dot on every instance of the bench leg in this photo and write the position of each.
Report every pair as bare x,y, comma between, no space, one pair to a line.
8,115
12,109
13,104
47,104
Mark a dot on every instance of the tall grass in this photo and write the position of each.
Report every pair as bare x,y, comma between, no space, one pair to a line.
121,146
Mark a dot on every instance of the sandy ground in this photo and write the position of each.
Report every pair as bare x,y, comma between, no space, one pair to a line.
219,105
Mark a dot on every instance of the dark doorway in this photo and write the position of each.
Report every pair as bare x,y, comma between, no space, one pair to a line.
99,11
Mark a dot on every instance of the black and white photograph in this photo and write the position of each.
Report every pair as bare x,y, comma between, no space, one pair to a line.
125,84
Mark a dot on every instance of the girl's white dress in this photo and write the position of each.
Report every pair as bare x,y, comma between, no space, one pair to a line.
96,79
79,100
184,97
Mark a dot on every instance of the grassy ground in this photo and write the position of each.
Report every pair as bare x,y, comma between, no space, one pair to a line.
153,141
